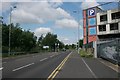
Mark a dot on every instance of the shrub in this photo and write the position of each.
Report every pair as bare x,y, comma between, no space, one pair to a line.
85,54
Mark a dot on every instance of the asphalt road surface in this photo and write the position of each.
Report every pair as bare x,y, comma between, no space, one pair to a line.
78,67
33,66
41,66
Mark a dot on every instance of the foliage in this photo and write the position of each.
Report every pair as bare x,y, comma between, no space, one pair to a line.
19,40
25,41
80,43
85,54
50,40
70,46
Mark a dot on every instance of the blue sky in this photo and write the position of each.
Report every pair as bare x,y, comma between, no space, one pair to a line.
55,17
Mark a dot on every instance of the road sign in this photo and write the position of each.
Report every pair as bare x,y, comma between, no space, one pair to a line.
91,12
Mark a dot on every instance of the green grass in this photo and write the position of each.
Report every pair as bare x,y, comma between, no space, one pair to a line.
85,54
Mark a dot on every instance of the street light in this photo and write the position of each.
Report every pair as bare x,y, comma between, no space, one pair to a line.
11,9
78,28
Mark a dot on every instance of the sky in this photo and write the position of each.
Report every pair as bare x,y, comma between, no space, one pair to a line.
46,16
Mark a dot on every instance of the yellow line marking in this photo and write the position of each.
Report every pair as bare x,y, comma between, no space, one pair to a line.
55,72
59,68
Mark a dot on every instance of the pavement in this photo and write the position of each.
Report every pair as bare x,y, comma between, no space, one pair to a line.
78,67
115,67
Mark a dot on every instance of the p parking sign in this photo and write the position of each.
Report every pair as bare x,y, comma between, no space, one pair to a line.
91,12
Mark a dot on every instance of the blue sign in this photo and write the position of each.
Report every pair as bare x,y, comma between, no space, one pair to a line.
91,12
92,31
92,21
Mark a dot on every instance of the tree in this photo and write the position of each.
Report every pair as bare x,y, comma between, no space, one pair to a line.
67,46
19,40
49,40
5,37
26,41
39,43
15,38
73,46
81,43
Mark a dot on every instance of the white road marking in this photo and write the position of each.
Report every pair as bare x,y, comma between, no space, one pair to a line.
22,67
52,56
43,59
1,68
89,68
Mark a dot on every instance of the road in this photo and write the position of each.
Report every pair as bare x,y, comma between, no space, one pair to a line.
42,66
79,67
33,66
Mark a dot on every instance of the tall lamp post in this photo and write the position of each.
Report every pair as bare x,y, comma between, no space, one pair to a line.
11,9
77,12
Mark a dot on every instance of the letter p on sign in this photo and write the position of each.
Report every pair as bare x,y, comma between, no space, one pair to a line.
91,12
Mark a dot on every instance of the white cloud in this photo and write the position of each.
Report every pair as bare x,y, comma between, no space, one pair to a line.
42,30
25,17
64,39
32,12
66,23
58,0
87,4
63,13
5,6
55,3
81,23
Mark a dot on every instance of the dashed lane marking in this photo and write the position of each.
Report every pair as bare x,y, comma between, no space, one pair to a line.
23,67
52,56
43,59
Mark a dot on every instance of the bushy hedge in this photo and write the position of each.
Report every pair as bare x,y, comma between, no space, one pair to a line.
86,54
